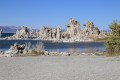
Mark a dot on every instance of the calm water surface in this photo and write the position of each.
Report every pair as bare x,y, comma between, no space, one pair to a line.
81,46
50,46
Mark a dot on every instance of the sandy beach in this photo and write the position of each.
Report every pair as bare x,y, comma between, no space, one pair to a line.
60,68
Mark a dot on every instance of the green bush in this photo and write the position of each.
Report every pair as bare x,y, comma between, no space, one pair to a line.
113,43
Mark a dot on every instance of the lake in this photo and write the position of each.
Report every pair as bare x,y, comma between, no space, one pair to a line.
50,46
7,34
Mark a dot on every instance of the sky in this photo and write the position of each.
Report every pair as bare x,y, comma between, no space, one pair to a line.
38,13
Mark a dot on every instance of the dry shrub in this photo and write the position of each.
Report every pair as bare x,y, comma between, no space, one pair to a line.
35,53
28,47
39,46
35,50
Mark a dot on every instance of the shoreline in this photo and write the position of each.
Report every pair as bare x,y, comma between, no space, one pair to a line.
53,41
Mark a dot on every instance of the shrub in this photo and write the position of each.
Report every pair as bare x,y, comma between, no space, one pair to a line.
35,50
28,47
113,43
39,46
35,53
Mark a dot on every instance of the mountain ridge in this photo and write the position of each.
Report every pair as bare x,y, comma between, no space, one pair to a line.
11,29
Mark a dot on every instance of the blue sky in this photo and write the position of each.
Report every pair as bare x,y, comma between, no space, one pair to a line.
38,13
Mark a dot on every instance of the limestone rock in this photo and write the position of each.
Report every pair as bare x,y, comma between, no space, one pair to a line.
73,28
90,30
22,33
23,30
15,50
45,32
73,33
49,33
58,36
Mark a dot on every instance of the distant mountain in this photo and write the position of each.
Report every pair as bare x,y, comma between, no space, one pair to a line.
11,29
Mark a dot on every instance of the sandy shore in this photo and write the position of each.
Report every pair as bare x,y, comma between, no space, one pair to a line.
60,68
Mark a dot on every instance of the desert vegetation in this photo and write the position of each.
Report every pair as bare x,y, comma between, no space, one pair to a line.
35,50
113,42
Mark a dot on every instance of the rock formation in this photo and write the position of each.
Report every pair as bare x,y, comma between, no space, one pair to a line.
45,33
15,50
31,32
73,28
91,31
58,35
49,33
22,33
72,33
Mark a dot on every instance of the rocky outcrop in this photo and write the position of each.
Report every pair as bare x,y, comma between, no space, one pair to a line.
73,28
91,31
15,50
22,33
49,33
31,31
72,33
58,34
45,33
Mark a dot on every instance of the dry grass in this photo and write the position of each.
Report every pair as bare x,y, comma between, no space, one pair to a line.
39,46
34,50
35,53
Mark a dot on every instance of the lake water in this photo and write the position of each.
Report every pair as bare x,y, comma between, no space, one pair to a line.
6,34
81,46
50,46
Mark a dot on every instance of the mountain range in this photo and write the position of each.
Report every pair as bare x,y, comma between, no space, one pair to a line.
11,29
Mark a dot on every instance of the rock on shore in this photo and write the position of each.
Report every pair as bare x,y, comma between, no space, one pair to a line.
15,50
